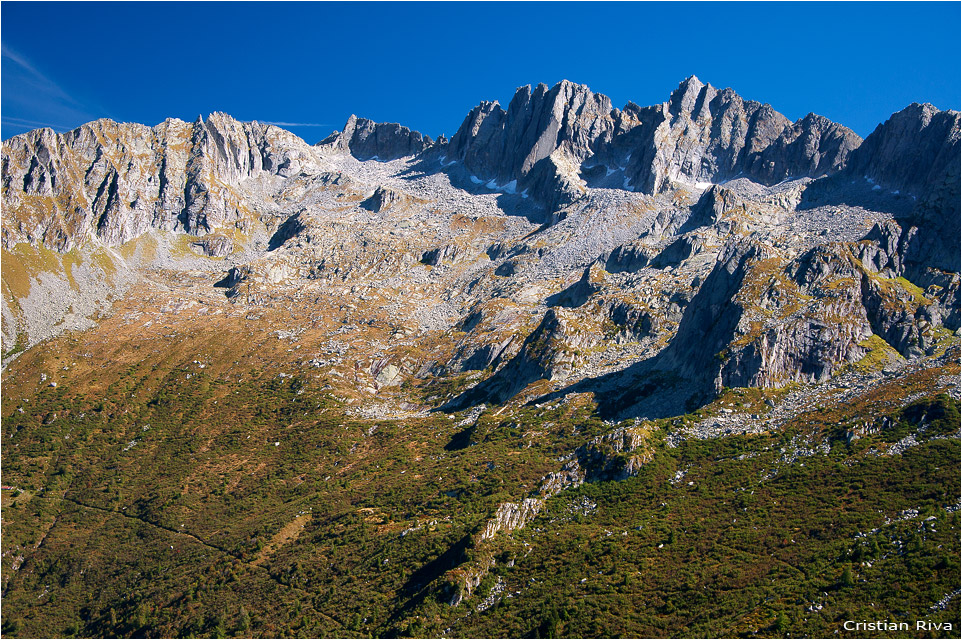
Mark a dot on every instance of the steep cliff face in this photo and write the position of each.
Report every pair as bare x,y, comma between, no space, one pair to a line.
701,135
760,320
800,323
917,151
705,135
115,181
539,143
911,151
813,146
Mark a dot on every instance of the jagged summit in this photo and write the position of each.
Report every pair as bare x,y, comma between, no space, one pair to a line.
113,182
548,136
915,153
911,150
551,144
701,135
366,140
689,90
538,143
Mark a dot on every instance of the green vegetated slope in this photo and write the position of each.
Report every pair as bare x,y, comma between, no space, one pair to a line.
161,499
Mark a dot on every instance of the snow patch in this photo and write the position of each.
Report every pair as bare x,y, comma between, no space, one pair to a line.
492,184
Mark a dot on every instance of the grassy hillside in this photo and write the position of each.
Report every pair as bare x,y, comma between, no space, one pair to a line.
166,495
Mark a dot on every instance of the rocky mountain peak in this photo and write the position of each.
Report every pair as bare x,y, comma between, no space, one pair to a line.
385,141
521,146
911,150
691,97
701,135
915,154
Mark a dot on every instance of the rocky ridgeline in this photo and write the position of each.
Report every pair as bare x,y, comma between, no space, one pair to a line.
114,182
614,456
509,516
549,138
916,153
913,151
560,242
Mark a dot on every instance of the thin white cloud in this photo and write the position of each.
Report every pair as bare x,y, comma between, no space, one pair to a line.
39,79
296,124
32,99
19,122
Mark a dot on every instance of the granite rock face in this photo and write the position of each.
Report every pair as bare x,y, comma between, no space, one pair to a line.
367,140
545,245
549,140
215,246
539,143
116,181
916,153
814,147
760,320
912,151
384,198
703,135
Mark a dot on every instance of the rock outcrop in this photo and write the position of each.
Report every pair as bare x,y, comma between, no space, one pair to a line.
552,350
369,140
761,321
215,246
384,198
548,138
113,181
449,253
911,152
630,257
616,455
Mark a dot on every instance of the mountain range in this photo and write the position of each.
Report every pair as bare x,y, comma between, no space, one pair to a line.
216,335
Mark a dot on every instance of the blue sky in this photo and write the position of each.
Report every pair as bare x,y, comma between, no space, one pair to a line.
310,65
